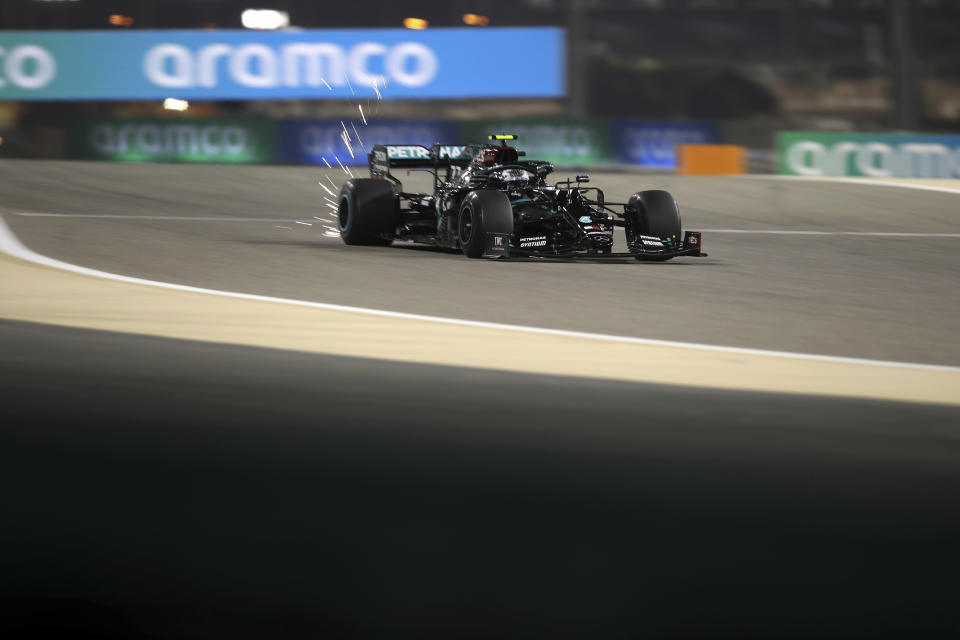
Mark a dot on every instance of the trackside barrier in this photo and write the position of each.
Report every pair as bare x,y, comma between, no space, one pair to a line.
868,155
653,143
559,140
584,142
219,140
313,141
711,159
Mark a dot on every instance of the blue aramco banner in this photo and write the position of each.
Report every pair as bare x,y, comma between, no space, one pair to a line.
349,141
650,143
251,65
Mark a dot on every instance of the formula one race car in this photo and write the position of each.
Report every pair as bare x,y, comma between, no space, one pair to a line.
488,203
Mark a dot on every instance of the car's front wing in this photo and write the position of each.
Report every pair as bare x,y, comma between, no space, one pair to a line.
652,256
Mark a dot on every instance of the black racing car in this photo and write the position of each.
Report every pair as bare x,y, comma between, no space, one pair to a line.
490,203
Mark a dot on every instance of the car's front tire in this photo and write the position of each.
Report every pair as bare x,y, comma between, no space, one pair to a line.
653,213
368,212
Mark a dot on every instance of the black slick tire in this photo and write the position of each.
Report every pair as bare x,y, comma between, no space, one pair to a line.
653,213
483,211
368,212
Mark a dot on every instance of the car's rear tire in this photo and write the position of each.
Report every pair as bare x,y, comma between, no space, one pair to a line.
368,212
482,212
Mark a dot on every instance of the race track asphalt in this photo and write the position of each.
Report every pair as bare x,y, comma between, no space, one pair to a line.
163,488
887,298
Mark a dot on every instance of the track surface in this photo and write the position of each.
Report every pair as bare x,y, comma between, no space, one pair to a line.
888,298
203,490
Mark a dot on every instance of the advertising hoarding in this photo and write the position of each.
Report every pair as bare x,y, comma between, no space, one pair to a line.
221,140
253,65
313,141
869,155
561,141
321,141
653,144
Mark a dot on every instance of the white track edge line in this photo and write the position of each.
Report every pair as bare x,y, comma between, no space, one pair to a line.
110,216
788,232
866,181
11,245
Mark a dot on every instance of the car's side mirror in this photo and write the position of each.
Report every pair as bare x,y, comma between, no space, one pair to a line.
521,153
583,178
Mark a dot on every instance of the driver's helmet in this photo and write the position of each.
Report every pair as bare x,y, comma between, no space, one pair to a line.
488,157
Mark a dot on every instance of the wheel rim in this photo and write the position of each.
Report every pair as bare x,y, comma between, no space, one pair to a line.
344,213
466,226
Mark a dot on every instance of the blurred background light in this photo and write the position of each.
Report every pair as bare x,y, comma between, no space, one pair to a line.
118,20
415,23
475,20
265,19
173,104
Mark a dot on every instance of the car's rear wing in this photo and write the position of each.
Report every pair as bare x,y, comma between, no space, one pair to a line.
413,156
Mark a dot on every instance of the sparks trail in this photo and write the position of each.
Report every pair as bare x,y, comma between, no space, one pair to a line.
346,138
346,142
342,166
331,232
354,127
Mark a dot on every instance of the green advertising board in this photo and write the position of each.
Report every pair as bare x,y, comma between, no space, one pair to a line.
560,141
221,140
869,155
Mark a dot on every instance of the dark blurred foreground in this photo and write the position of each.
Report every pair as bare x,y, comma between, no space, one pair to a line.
155,488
